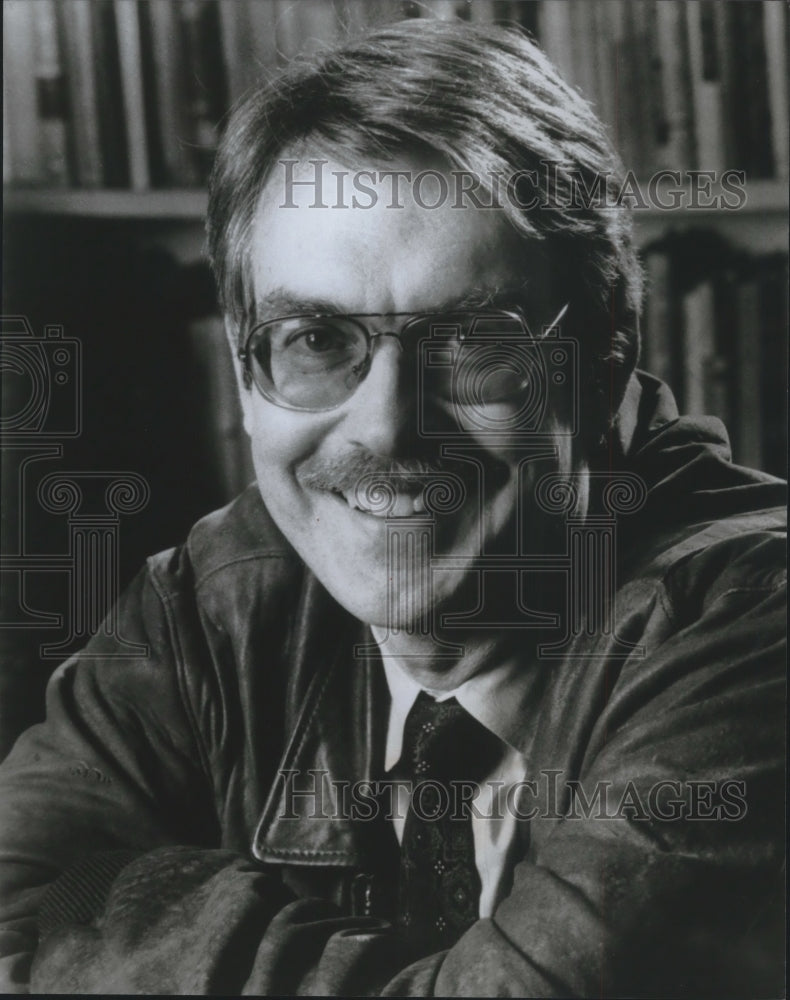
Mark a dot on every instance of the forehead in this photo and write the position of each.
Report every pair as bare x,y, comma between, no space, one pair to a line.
369,240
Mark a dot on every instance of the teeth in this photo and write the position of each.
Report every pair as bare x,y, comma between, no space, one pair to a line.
405,505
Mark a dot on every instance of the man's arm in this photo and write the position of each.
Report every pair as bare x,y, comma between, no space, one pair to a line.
112,872
683,905
118,766
597,907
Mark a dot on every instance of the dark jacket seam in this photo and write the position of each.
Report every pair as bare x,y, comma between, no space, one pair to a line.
248,557
666,604
776,589
180,678
289,758
308,723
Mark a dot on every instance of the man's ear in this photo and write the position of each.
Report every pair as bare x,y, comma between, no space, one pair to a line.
242,380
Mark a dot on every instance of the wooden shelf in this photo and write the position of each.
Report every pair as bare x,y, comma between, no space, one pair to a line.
761,223
178,203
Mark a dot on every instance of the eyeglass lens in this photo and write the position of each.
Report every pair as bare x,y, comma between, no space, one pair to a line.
316,363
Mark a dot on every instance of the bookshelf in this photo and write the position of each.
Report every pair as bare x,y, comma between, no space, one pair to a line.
112,110
760,224
176,203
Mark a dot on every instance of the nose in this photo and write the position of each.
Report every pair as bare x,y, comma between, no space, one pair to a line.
381,416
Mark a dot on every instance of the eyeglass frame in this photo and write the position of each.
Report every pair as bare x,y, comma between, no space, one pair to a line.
244,353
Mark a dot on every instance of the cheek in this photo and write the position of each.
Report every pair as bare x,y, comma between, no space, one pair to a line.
280,440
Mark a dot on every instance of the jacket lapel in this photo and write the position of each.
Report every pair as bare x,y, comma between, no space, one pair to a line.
310,817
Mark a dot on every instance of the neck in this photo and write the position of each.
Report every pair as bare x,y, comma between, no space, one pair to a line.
420,658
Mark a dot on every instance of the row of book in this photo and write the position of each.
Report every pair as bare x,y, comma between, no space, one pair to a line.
682,84
131,93
715,329
111,93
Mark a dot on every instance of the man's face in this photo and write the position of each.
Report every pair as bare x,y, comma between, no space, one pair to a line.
381,260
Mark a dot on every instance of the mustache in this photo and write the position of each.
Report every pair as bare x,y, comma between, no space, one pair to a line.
344,472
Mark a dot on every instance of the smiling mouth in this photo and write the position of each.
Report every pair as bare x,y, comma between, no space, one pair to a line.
402,503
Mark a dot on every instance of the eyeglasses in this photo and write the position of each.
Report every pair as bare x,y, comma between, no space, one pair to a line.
316,362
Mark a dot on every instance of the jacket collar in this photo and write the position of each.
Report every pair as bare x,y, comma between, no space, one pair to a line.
337,741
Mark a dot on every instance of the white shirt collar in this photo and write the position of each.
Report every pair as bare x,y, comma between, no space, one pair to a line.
494,697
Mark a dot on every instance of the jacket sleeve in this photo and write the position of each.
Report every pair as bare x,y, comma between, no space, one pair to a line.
112,877
614,903
671,885
115,767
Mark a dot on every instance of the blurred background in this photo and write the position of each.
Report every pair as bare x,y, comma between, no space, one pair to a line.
113,353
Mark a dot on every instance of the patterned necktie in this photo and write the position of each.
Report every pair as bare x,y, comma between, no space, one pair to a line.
439,890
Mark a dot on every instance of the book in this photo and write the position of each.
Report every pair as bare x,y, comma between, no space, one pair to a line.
720,387
109,94
7,170
76,33
776,44
483,12
445,10
246,49
675,148
605,67
525,13
263,56
21,161
747,87
287,30
583,52
656,112
657,337
774,282
51,98
151,114
166,96
644,97
130,53
747,427
356,15
204,85
627,125
699,317
555,31
706,86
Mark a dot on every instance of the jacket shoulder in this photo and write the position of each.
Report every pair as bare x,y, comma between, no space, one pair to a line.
228,553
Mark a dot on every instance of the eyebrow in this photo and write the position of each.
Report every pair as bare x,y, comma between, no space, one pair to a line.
282,302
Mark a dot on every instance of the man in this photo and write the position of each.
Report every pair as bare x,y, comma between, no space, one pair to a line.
406,725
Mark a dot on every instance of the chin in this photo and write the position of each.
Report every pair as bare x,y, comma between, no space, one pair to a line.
405,606
369,599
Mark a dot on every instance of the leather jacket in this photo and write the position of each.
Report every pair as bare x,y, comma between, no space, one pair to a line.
188,757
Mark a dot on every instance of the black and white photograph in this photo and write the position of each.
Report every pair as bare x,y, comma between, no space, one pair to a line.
394,456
